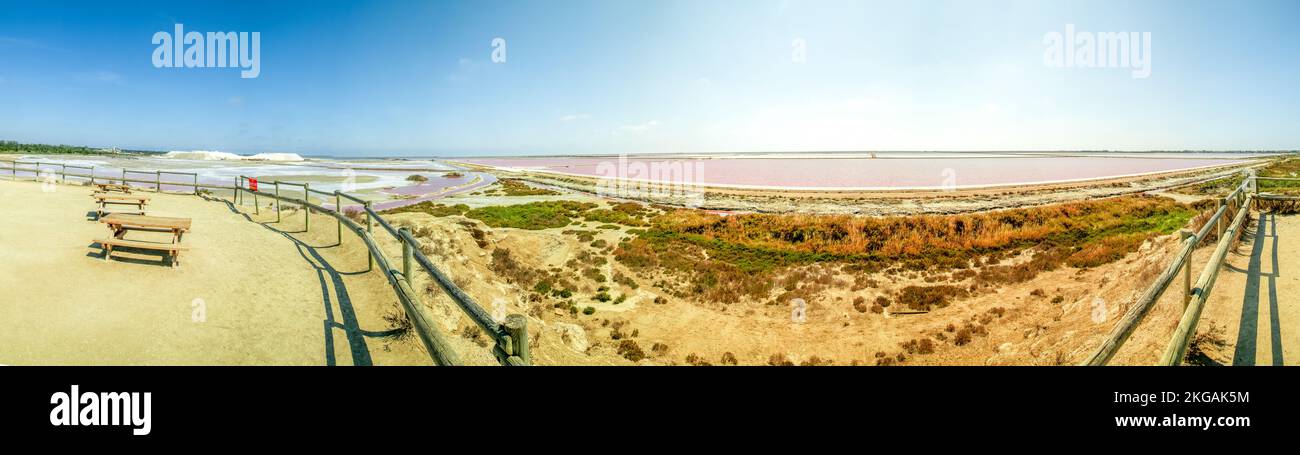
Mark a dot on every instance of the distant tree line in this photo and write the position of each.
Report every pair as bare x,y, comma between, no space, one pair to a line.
47,149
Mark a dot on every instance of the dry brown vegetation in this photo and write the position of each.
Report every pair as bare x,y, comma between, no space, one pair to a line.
925,298
950,240
724,259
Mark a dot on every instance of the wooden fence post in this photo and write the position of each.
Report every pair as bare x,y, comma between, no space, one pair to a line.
1187,269
517,326
338,208
306,197
92,175
370,229
234,195
63,171
1218,228
277,201
196,183
157,178
407,256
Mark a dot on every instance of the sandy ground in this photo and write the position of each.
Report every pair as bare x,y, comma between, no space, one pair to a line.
247,293
1253,316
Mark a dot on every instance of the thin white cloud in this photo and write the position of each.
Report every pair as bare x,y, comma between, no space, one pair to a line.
9,41
639,128
466,69
573,117
104,77
235,101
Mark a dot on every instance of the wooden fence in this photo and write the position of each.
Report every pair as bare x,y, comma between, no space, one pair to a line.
1226,223
511,335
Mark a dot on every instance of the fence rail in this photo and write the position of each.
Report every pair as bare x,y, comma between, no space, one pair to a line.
510,335
1226,222
1192,313
37,172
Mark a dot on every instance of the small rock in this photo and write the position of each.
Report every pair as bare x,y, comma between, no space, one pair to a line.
573,336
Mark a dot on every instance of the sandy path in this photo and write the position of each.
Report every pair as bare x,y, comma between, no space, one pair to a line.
1254,310
267,297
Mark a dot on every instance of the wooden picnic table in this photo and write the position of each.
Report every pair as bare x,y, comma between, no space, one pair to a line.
104,200
119,224
114,187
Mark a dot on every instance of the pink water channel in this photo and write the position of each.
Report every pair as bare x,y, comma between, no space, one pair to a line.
860,172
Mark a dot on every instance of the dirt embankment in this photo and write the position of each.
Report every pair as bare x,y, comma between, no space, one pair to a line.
1056,318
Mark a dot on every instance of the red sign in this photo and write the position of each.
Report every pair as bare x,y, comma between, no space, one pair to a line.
252,184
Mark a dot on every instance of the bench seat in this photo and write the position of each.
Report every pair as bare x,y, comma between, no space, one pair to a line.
173,249
101,213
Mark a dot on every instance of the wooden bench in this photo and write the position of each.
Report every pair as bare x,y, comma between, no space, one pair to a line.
104,200
100,196
173,249
123,211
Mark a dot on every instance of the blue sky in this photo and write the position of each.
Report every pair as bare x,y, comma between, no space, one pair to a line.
608,76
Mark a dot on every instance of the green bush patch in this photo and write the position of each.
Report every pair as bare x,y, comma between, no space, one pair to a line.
531,216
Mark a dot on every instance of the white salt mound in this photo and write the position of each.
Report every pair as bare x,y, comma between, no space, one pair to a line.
276,157
205,155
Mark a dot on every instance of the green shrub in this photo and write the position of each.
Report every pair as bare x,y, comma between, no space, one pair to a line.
625,280
531,216
515,187
612,217
543,287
